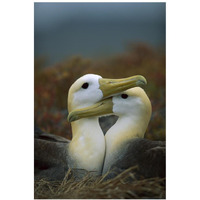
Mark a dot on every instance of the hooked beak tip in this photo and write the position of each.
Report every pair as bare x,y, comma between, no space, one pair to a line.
71,118
141,82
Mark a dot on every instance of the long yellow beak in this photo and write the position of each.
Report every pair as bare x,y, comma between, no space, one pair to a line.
110,87
101,108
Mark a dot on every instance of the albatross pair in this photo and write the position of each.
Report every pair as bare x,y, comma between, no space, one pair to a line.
86,150
125,143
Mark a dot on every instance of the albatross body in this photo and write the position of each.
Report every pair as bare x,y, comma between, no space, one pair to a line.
86,150
125,143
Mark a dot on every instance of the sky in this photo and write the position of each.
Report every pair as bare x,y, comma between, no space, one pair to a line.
95,30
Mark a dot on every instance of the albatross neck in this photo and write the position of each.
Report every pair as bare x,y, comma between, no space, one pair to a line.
88,144
125,129
86,127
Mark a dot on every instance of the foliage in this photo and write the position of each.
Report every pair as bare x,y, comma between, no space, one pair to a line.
52,84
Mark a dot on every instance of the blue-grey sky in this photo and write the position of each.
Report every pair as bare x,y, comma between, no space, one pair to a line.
95,30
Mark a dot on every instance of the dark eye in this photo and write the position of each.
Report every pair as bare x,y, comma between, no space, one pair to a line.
85,85
124,96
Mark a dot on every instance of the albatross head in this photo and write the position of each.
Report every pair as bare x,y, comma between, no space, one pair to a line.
92,88
132,104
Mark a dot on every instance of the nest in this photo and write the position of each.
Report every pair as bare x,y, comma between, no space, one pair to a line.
123,186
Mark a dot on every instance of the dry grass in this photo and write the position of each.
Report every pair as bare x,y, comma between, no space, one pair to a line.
124,186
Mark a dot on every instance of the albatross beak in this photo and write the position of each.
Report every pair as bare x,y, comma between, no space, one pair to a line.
101,108
115,86
108,87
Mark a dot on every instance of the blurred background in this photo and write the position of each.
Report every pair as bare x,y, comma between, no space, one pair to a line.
114,40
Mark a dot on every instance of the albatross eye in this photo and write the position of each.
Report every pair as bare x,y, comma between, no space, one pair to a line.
124,96
85,85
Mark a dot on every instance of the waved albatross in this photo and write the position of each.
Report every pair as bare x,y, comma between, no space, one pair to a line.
125,143
86,150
